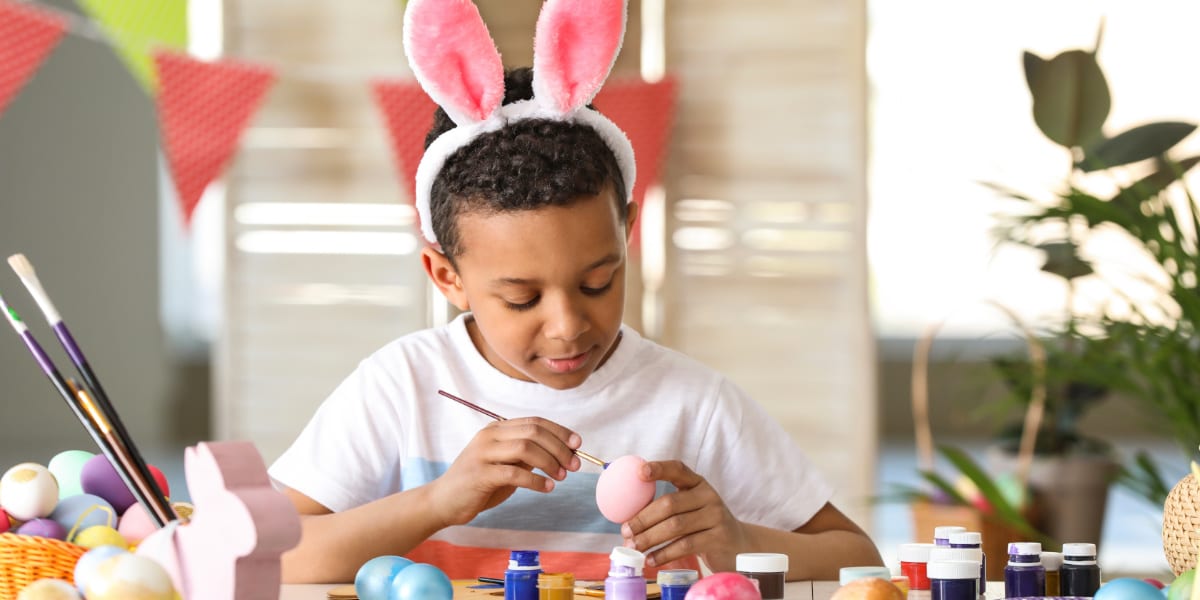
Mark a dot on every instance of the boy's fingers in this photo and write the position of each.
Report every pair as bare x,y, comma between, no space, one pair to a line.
568,437
543,437
511,476
527,453
681,548
672,471
673,526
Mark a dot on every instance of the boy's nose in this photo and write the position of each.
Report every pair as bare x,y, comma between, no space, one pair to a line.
565,321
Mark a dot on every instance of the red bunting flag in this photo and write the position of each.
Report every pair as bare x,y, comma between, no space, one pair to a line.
27,35
408,112
644,111
203,108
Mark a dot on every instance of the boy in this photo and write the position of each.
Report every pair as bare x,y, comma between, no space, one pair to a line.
532,220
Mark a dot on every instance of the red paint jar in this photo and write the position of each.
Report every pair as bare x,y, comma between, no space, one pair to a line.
914,559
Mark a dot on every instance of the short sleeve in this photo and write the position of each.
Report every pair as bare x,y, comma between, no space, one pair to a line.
348,454
753,463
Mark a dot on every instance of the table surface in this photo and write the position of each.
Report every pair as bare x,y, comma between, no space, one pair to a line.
797,590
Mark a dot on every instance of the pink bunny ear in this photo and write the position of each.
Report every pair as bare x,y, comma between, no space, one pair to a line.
454,58
573,50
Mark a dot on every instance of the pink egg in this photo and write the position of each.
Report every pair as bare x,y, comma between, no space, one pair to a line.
136,524
620,492
724,586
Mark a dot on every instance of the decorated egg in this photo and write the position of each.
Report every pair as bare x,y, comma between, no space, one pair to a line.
136,524
1127,588
183,509
28,491
5,522
621,493
420,582
1181,588
67,468
724,586
47,528
129,577
49,589
870,588
160,479
374,579
86,566
98,477
99,535
82,511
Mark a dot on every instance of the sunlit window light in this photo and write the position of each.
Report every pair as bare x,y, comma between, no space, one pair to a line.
324,213
328,242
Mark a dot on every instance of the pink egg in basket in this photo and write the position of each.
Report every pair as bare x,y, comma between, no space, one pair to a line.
621,492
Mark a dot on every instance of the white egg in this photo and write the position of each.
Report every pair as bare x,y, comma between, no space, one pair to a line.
49,589
28,491
129,577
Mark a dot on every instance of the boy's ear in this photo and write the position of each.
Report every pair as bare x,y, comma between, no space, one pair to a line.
630,219
443,274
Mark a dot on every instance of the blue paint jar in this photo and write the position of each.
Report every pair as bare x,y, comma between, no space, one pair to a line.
521,577
944,554
625,580
941,535
1024,576
954,579
973,539
675,583
1080,575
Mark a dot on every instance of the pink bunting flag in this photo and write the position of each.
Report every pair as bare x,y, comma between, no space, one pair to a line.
408,112
27,35
203,108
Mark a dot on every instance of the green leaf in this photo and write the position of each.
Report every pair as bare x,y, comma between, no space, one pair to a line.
968,467
1062,259
1154,183
1137,144
1070,96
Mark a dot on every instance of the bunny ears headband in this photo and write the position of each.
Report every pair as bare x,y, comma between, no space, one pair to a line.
456,62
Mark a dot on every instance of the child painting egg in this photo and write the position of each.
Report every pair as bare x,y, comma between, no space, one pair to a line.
621,493
28,491
129,577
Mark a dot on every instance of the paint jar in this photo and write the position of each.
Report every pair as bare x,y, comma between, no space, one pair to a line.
521,577
1024,576
1052,562
913,558
954,579
973,539
556,586
625,580
675,583
1080,575
767,568
941,535
848,574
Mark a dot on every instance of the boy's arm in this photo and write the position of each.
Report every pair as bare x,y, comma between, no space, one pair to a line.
817,549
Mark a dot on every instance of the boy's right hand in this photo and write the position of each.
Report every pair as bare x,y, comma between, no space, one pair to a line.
500,459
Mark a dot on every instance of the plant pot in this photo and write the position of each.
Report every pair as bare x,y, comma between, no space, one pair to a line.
996,535
1073,490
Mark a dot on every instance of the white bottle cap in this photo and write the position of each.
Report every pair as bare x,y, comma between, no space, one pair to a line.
1079,550
966,537
953,569
848,574
943,532
1025,548
628,557
1052,560
761,562
915,553
945,554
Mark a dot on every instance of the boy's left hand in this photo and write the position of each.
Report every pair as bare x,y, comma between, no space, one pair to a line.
693,519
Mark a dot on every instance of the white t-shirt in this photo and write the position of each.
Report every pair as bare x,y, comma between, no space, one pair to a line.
385,429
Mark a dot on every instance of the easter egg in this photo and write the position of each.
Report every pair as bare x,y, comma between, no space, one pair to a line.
183,509
420,582
49,589
99,535
1127,588
136,524
100,478
871,588
621,493
47,528
723,586
67,467
5,522
160,479
86,566
28,491
129,577
374,579
82,511
1154,582
1181,588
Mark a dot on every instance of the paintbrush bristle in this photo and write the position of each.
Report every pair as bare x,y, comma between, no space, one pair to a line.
21,265
24,270
13,317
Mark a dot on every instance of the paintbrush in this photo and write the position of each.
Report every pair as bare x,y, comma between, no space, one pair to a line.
482,410
160,509
65,390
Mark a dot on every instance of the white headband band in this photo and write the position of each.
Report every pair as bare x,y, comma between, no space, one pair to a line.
456,63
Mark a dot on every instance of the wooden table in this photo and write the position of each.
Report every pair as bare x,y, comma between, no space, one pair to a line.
798,590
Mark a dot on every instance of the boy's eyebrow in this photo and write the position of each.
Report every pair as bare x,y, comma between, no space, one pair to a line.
608,259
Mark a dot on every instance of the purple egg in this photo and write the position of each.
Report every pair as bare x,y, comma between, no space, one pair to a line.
99,478
47,528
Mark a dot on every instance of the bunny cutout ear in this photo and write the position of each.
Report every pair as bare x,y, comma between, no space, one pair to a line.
574,49
454,59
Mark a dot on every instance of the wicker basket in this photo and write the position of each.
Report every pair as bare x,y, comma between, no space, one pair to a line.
1181,517
25,559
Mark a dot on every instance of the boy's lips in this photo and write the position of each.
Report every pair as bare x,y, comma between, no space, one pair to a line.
567,364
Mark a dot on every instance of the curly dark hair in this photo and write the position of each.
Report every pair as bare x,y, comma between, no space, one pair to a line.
522,166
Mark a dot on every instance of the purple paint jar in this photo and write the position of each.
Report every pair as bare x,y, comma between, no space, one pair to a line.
973,539
1024,576
941,535
1080,575
954,579
521,577
625,580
